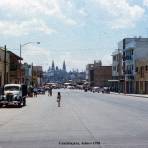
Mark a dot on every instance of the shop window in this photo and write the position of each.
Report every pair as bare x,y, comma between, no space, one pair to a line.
146,68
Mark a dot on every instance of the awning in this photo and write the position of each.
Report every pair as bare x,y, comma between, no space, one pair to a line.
113,80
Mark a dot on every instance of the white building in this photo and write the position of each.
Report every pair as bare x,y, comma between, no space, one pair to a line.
117,72
133,49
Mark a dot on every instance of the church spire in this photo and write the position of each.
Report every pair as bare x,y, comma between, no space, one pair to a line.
64,66
53,67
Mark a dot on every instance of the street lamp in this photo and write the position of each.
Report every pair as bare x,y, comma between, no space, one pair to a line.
22,45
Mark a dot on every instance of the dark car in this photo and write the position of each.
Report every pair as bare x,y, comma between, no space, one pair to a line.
41,91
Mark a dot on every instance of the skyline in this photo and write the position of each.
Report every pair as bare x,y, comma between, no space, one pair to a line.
76,31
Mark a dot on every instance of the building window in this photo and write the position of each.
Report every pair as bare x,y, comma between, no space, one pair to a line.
146,68
131,52
142,71
91,75
136,69
114,68
114,58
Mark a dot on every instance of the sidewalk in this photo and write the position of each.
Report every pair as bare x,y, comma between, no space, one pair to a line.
134,95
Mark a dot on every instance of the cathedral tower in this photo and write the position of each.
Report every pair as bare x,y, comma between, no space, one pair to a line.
53,67
64,66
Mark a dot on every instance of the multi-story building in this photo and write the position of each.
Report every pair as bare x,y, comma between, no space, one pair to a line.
55,74
15,68
27,74
37,75
4,67
98,75
117,83
133,49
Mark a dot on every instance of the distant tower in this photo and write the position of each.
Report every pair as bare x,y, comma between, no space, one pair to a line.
49,68
64,66
53,67
57,68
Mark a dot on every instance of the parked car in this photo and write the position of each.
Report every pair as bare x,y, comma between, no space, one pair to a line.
106,90
14,94
96,89
70,87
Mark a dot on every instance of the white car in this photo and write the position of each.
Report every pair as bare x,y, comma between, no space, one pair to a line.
96,89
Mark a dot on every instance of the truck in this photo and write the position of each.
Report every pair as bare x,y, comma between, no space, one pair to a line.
13,94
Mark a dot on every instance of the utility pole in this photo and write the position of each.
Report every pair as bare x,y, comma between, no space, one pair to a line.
32,74
20,64
5,73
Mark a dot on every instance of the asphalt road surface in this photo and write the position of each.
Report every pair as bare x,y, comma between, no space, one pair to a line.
85,119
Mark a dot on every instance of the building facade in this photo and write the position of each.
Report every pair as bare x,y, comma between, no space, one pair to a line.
117,82
132,50
37,76
98,75
55,74
4,67
27,74
15,68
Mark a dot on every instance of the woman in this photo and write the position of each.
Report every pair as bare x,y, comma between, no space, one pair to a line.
59,98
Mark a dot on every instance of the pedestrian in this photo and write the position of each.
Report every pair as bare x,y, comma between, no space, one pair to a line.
35,92
59,99
50,91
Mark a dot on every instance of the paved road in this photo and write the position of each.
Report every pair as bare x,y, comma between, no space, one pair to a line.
83,120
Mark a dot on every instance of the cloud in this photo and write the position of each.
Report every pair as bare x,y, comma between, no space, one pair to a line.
44,56
14,28
38,8
145,2
107,60
121,13
83,12
39,56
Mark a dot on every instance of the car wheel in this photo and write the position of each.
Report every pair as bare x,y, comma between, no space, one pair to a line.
24,102
20,104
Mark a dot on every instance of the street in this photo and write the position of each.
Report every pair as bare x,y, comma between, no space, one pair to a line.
85,119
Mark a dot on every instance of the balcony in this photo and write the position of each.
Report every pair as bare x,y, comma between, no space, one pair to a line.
115,63
129,78
128,72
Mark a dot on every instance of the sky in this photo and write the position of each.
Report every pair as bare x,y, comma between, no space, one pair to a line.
77,31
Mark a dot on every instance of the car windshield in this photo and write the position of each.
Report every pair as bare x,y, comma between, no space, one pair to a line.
11,88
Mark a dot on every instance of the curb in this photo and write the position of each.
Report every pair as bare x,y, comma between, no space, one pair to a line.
130,95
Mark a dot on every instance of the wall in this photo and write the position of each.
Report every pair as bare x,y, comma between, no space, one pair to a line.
101,75
2,65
